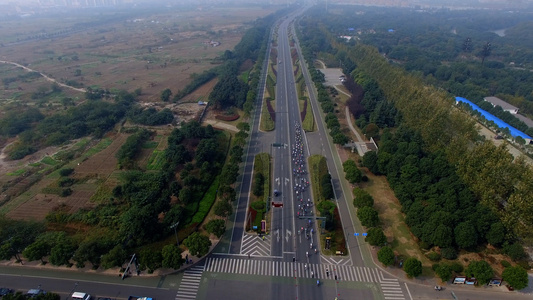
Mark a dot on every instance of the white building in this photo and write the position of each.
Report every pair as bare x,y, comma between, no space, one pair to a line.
504,105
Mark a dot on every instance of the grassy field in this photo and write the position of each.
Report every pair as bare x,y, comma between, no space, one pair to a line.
17,172
104,143
156,160
49,161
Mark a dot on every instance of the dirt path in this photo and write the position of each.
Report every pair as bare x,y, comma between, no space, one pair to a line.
45,76
221,125
349,120
322,63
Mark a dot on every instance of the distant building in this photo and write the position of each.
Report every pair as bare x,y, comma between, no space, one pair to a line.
504,105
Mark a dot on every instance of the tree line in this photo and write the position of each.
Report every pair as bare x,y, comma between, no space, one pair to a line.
434,161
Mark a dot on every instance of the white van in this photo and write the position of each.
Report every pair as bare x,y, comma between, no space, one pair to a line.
81,296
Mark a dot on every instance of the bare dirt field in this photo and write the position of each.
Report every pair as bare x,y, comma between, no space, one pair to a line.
152,52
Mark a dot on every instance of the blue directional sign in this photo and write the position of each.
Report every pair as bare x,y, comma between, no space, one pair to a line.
356,234
255,227
365,234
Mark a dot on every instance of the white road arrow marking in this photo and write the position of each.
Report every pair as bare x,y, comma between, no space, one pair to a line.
277,180
286,181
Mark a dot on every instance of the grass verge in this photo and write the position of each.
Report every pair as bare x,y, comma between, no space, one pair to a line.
267,124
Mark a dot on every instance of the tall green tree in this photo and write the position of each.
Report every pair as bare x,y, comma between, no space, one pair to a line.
172,257
368,216
198,244
376,237
37,250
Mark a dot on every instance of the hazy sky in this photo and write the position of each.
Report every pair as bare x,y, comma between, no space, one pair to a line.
436,2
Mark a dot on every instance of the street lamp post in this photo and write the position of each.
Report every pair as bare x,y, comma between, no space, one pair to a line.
175,225
71,292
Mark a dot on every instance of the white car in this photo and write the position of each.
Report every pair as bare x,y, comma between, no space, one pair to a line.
81,296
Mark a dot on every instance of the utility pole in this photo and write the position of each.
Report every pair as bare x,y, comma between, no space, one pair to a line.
71,292
175,225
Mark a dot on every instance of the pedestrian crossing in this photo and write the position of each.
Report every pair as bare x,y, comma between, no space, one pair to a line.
291,269
190,283
392,290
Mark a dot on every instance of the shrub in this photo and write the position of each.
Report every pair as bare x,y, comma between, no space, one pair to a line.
444,271
271,110
505,264
433,256
516,277
448,253
515,251
457,267
304,111
207,202
66,192
412,267
386,256
66,172
228,118
64,182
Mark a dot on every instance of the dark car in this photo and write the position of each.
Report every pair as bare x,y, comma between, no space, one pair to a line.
34,292
276,193
5,291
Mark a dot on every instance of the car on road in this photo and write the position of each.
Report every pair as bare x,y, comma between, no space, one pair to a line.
276,193
5,291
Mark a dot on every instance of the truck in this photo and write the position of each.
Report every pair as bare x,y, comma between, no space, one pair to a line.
139,298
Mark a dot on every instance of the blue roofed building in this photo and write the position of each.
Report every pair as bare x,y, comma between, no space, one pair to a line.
500,123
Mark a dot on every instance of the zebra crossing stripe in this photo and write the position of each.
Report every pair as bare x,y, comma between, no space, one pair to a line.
292,269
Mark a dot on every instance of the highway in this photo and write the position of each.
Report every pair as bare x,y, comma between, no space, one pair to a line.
282,266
